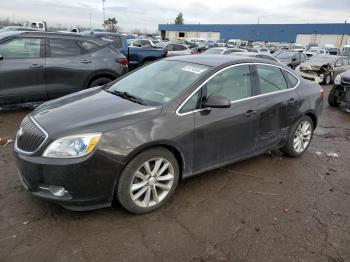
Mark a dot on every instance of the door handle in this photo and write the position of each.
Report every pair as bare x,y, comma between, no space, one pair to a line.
291,101
250,112
36,66
85,61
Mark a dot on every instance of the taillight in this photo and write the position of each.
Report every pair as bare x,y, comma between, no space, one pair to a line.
166,53
122,60
321,93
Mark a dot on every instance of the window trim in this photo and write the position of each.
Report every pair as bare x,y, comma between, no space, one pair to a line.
239,100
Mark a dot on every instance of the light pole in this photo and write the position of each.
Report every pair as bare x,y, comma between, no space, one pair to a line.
103,10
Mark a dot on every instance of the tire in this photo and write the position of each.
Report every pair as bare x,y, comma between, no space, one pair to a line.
289,149
100,81
327,80
135,183
146,62
332,97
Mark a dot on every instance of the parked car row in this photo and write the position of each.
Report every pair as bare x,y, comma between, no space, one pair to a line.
38,66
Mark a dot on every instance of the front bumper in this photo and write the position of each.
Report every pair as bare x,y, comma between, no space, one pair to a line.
88,182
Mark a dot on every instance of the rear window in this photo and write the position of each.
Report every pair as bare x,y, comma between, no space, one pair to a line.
88,46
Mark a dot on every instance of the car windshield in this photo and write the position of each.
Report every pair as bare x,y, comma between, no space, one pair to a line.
285,55
213,51
160,82
321,59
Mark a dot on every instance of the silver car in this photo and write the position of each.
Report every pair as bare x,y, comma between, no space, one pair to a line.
178,49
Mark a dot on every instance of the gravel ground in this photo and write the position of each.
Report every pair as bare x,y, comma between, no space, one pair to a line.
269,208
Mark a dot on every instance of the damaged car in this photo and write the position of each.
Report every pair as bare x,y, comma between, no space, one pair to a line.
323,68
340,92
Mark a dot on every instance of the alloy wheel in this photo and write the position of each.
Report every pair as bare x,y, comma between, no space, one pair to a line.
302,136
152,182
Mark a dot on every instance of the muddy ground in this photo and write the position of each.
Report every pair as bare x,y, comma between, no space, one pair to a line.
270,208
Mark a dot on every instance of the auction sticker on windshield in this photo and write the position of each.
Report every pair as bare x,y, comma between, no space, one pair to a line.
194,69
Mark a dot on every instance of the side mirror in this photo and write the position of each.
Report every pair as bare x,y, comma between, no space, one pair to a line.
217,102
1,57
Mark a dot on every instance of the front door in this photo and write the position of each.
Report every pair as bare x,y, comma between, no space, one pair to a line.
223,135
22,68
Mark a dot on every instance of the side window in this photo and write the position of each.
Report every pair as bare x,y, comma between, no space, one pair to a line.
271,79
116,40
88,46
233,83
170,47
293,81
191,104
345,62
339,62
63,48
21,48
177,47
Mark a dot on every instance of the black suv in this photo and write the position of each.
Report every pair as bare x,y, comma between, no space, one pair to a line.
39,66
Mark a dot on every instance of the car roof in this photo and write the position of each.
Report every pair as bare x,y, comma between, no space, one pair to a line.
96,41
218,60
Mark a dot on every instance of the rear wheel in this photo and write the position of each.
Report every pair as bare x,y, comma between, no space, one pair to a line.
148,181
333,97
100,81
299,137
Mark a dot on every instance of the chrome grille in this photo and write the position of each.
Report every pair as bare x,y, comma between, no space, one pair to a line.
30,136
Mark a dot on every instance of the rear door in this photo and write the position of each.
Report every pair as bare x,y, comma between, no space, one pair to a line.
22,70
68,67
277,104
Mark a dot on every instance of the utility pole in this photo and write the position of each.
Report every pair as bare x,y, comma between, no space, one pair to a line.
90,22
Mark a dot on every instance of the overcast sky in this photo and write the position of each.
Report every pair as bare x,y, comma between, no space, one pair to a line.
146,15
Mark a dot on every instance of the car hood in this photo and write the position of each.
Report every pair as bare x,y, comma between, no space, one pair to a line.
92,110
315,66
345,77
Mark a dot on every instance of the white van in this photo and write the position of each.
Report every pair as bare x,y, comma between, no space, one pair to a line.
41,26
233,43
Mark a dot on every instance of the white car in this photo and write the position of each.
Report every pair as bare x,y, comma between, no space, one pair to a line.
299,48
178,49
262,50
222,51
145,43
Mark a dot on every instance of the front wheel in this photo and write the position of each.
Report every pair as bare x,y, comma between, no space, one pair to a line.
333,97
148,181
100,81
299,137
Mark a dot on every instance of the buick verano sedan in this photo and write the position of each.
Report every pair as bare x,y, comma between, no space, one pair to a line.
134,139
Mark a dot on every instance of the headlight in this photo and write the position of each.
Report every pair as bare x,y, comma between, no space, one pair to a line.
337,80
72,146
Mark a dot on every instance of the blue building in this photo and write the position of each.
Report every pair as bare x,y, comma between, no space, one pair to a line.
336,34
